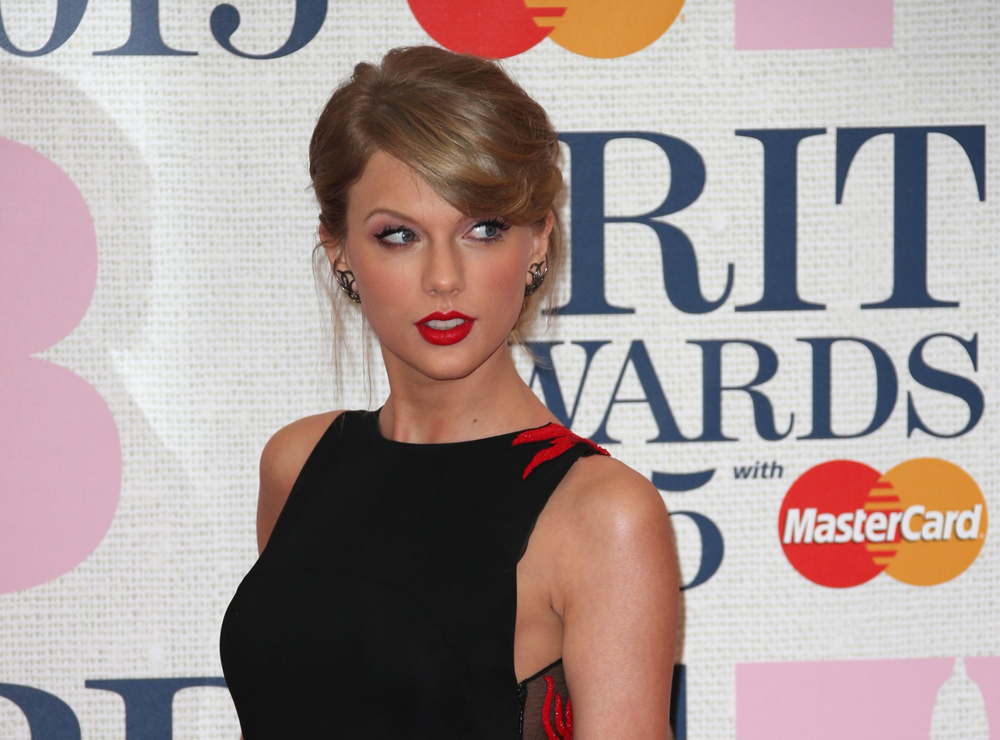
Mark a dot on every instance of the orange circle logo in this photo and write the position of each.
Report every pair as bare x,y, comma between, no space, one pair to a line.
842,523
503,28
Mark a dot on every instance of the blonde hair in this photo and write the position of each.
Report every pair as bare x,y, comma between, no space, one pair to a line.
461,123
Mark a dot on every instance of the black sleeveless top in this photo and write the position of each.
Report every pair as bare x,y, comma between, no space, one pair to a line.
384,603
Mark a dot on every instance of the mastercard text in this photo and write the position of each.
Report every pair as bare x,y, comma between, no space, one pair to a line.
914,524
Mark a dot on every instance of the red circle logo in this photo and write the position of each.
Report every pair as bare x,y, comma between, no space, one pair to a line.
504,28
842,522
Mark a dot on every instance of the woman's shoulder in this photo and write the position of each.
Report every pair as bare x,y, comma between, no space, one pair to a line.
288,448
281,461
602,491
604,511
616,588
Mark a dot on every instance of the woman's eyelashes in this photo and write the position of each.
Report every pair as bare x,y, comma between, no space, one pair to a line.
487,230
394,236
490,229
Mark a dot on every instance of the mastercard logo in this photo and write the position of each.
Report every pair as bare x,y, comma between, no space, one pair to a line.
923,522
504,28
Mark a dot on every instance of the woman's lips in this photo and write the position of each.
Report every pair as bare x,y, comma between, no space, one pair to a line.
445,328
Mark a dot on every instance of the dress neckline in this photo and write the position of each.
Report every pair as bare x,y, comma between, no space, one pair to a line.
382,439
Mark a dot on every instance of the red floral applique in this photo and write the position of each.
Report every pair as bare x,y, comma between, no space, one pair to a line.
564,725
559,438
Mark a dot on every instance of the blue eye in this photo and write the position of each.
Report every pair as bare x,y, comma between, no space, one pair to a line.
490,230
396,235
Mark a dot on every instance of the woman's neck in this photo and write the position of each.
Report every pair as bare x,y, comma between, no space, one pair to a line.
491,400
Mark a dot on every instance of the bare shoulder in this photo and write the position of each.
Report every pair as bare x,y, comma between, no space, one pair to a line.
616,589
281,461
609,525
606,497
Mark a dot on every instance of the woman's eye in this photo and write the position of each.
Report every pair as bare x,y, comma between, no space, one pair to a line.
489,230
396,235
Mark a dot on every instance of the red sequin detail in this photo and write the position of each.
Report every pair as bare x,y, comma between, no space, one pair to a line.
559,438
564,726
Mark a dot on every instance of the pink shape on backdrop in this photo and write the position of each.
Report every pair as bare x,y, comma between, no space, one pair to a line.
48,252
986,673
60,454
60,472
833,700
813,24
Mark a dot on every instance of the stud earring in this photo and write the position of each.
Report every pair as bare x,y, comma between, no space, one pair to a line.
538,271
346,280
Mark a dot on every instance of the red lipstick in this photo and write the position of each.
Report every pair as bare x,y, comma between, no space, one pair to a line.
458,329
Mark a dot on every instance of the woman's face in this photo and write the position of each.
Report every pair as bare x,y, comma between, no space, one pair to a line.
440,289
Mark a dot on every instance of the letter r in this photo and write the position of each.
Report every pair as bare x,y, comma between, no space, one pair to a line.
680,266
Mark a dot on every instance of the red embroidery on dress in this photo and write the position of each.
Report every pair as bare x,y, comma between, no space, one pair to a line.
564,726
559,438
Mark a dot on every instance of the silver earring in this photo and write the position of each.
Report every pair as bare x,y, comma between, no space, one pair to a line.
346,280
538,271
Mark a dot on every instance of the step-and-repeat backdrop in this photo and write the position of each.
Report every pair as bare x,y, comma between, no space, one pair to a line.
781,306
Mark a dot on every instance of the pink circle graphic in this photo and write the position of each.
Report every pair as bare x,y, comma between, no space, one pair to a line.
60,453
48,252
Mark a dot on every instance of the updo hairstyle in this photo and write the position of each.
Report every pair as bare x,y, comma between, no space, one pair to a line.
461,123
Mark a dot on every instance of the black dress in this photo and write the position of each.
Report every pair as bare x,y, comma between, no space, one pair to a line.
384,603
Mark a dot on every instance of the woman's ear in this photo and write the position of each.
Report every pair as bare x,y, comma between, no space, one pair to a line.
540,239
334,249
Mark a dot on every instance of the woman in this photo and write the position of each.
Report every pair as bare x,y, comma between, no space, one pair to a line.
456,564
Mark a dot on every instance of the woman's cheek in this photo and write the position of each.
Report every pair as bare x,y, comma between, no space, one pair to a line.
382,301
382,282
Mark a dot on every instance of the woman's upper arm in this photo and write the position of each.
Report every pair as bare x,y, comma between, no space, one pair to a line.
620,608
281,461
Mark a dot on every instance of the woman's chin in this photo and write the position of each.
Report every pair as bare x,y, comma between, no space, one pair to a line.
450,363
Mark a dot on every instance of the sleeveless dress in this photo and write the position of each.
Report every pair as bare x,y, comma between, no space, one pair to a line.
384,603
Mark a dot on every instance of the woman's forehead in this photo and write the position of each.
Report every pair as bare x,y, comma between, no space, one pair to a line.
387,185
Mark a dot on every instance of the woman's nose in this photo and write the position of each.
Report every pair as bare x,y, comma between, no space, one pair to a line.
443,269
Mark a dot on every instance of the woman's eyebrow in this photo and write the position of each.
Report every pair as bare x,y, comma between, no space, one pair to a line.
388,212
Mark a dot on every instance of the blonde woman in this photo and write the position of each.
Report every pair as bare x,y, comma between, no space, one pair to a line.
455,564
